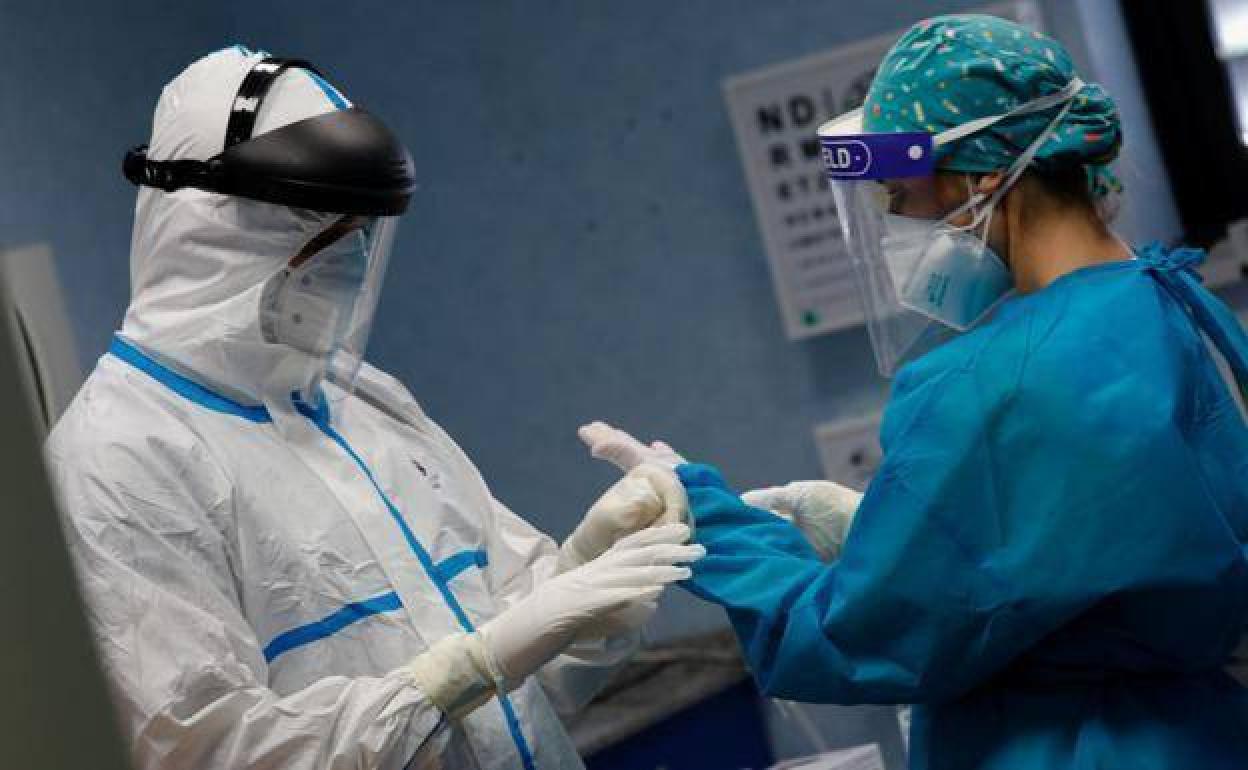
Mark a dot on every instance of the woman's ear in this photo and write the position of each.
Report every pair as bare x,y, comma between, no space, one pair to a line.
989,183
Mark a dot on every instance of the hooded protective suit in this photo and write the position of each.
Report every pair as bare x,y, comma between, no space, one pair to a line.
259,570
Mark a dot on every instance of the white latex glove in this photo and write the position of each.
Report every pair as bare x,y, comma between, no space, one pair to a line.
622,450
625,508
634,570
648,495
462,671
822,510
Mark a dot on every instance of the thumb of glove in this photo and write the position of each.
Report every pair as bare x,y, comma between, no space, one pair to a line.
777,500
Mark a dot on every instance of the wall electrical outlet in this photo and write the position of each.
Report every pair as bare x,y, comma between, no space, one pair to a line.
849,450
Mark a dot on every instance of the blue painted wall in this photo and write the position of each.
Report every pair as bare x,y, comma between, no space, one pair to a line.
79,82
583,245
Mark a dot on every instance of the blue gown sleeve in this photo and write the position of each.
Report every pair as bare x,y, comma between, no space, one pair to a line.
896,625
998,516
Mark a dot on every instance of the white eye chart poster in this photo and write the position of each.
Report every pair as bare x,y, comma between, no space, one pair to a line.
849,450
775,113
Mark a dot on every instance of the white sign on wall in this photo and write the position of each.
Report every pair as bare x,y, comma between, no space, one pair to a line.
775,112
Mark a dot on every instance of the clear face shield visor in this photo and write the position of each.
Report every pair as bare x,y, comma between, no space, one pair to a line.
924,272
322,302
921,278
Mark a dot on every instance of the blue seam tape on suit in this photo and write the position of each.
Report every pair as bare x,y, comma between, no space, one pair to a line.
509,711
319,415
187,388
330,624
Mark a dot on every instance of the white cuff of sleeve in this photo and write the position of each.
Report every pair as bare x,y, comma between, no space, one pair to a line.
456,673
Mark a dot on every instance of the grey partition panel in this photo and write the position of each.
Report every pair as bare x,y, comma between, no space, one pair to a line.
55,712
47,355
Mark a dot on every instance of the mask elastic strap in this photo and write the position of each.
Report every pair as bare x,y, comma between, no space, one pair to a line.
336,230
1019,166
989,210
1024,160
1035,105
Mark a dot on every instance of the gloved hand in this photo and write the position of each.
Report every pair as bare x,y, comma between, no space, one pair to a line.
648,495
822,510
622,450
626,507
460,672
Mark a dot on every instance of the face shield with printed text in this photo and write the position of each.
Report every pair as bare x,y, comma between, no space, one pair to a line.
924,268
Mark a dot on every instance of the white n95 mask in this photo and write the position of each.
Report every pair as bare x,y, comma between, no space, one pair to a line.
308,306
322,302
943,271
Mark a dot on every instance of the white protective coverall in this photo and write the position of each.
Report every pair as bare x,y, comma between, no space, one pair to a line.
258,571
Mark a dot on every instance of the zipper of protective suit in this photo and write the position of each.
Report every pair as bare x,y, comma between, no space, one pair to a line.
321,420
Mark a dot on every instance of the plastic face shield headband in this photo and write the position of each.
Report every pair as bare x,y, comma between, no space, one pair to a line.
920,276
345,161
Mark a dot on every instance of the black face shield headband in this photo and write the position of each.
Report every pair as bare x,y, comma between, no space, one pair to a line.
345,161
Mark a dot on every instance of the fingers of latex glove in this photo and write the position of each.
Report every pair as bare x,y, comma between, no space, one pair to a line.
655,547
799,499
777,500
823,496
665,455
526,636
657,555
675,534
608,599
630,504
646,495
613,445
622,450
822,510
671,493
829,492
640,575
636,568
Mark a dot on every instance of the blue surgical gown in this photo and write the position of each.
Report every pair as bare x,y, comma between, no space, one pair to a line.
1051,558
